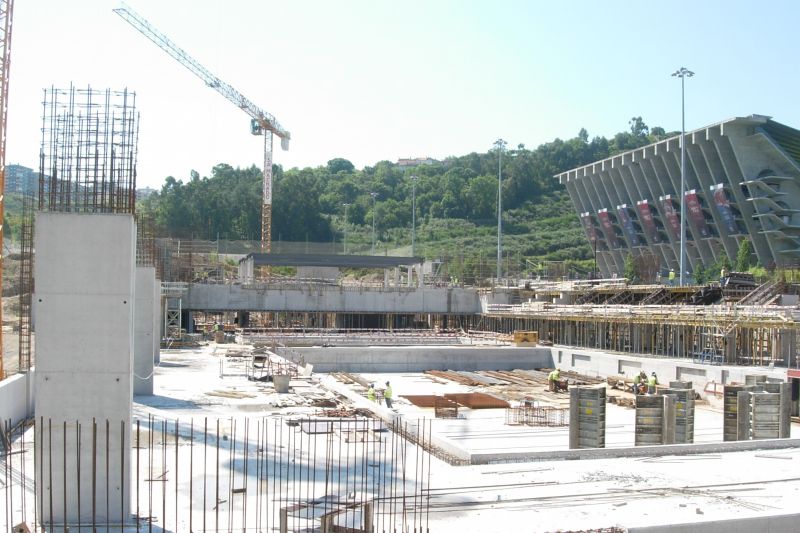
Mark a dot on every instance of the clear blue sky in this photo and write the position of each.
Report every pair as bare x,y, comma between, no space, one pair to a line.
370,80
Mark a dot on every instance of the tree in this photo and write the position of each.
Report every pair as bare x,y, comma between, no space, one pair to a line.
743,256
340,165
630,268
638,127
481,197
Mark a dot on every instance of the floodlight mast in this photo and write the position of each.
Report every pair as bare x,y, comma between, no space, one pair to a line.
261,123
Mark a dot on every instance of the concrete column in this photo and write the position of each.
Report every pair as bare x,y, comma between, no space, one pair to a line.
143,354
84,304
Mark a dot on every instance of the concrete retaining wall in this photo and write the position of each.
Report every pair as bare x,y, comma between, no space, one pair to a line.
16,397
603,364
789,523
380,359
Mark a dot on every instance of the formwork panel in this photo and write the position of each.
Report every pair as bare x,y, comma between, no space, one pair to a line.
587,417
684,413
731,411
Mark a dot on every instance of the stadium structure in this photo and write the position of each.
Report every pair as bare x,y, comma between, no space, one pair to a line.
742,182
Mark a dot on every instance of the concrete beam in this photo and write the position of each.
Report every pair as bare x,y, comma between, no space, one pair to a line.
332,299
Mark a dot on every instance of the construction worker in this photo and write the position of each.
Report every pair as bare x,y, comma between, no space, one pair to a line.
642,382
552,380
652,381
387,395
371,393
672,276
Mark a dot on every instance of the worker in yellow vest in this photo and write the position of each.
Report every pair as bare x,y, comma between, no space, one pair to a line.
387,395
553,378
371,393
652,381
671,276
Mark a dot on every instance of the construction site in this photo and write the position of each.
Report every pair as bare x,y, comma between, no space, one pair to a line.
182,385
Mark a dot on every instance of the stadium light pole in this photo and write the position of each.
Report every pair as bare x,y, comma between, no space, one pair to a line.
500,144
414,215
683,73
374,196
346,205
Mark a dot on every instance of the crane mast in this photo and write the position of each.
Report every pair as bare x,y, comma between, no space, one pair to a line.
261,122
6,12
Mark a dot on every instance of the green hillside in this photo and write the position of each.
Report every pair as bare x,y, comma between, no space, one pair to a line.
455,205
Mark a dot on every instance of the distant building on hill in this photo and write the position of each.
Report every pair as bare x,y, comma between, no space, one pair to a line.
21,179
144,192
415,162
742,184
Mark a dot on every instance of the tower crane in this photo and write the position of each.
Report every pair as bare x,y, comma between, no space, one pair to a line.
6,12
261,122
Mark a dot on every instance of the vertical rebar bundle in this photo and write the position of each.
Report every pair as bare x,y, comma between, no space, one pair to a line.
26,277
236,474
145,241
88,151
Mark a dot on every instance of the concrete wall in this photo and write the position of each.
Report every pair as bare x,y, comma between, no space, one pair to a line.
84,304
143,332
332,298
419,358
789,523
16,397
603,364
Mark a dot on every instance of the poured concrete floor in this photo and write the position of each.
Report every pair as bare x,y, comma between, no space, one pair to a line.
534,496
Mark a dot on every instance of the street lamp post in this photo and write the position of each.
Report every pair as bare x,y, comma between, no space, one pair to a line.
374,196
346,205
500,144
414,215
683,73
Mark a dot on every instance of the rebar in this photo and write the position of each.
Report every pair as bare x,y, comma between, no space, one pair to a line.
88,153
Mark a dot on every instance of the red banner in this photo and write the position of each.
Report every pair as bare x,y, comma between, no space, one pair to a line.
608,228
648,222
696,216
671,216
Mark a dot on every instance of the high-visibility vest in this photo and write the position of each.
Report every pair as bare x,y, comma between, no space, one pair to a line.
371,394
652,381
672,275
388,392
554,375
